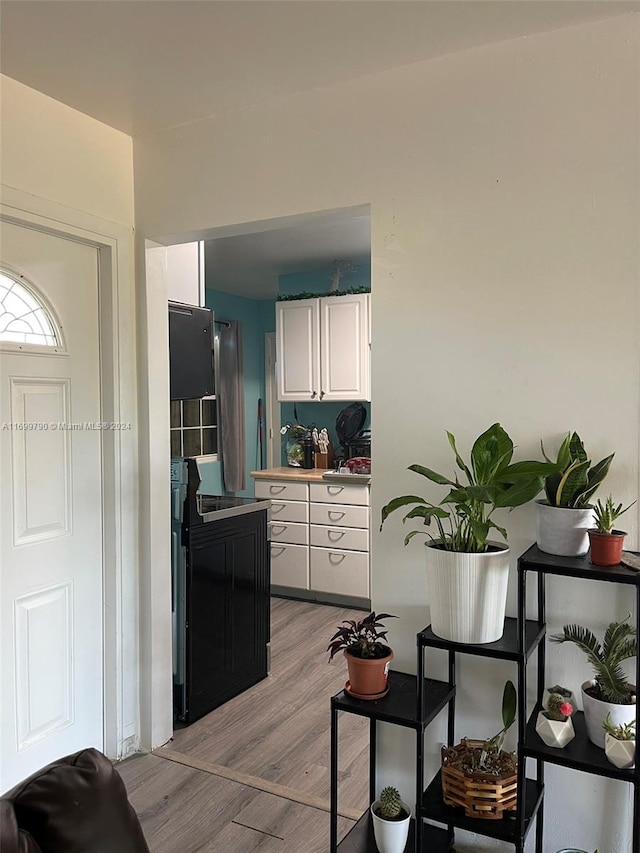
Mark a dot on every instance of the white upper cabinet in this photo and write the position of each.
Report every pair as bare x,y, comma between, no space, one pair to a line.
322,348
185,273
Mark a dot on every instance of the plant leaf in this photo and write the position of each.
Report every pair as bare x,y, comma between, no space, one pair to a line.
432,475
572,484
396,503
491,451
594,478
509,705
459,460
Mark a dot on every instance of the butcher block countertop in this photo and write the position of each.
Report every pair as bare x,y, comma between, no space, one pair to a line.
309,475
298,475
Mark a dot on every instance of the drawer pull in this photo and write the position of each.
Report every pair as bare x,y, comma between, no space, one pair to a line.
335,490
278,528
277,550
336,558
277,507
276,490
335,514
335,534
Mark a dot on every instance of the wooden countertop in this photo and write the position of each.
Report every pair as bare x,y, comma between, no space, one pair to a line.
301,475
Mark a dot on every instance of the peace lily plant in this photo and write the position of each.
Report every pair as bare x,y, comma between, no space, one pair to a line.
466,573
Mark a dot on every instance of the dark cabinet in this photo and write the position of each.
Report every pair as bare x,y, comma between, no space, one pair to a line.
227,610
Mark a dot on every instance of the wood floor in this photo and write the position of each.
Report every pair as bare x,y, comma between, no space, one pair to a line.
254,774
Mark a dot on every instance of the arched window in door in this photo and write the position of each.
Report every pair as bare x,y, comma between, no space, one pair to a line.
24,318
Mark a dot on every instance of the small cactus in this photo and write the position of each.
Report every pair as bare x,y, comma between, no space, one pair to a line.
558,708
390,803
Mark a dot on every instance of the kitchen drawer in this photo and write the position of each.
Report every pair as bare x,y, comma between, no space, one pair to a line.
290,565
338,493
297,511
294,534
343,515
282,490
340,572
351,538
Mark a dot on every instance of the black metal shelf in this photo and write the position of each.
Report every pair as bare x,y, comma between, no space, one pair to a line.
576,567
505,829
506,648
360,838
578,754
400,705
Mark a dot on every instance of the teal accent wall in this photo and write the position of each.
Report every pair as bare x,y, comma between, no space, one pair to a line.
257,317
319,415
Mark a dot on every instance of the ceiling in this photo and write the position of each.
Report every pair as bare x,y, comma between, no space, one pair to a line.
142,66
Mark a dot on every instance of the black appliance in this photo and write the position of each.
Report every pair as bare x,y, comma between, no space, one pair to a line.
220,594
354,441
191,360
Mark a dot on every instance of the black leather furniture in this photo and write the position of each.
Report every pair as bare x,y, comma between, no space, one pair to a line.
77,804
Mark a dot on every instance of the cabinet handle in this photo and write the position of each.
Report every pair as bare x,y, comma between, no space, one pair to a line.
335,534
277,489
335,490
280,528
321,394
336,558
277,507
313,395
334,513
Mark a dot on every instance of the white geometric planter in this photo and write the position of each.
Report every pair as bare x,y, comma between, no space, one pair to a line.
621,753
468,593
563,531
555,733
595,712
390,835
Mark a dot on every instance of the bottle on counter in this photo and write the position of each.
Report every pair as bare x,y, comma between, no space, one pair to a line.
307,451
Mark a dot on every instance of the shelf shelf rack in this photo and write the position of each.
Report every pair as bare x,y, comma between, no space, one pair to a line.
414,701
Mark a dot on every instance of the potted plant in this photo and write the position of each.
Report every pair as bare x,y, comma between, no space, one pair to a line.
467,575
553,724
391,818
368,656
479,775
620,743
566,694
562,520
606,543
609,692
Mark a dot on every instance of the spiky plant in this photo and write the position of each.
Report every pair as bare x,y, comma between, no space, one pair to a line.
574,482
390,803
619,644
558,708
623,731
606,514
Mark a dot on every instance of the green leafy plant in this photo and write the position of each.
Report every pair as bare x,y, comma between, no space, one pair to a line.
606,514
390,803
623,731
619,644
574,481
493,482
362,639
509,704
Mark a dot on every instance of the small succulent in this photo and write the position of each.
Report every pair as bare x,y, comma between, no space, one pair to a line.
623,731
558,708
390,804
606,514
361,639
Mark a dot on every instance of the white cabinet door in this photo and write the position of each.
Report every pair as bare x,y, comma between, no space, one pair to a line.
298,349
185,273
344,348
322,348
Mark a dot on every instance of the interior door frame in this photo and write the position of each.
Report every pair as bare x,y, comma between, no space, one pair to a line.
272,405
118,397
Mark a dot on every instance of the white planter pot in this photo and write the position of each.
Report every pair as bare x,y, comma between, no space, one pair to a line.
390,835
555,733
595,712
468,593
621,753
563,531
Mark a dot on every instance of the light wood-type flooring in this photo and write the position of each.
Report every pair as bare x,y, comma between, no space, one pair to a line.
254,774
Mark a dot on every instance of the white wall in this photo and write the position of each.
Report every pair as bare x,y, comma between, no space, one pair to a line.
503,185
73,174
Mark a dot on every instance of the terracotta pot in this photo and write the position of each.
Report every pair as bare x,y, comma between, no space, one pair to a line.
606,548
367,677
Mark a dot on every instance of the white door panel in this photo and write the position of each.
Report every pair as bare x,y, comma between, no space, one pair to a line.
51,516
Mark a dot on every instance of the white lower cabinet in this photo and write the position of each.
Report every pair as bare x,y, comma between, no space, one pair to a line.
290,565
319,536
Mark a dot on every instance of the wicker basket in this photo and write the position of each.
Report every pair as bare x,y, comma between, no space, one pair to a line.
480,795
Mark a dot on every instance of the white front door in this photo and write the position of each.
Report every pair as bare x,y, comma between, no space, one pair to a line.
51,553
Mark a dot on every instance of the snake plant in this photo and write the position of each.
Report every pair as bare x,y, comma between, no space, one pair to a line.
574,481
606,514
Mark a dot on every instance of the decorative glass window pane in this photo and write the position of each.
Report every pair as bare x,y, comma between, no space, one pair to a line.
23,319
